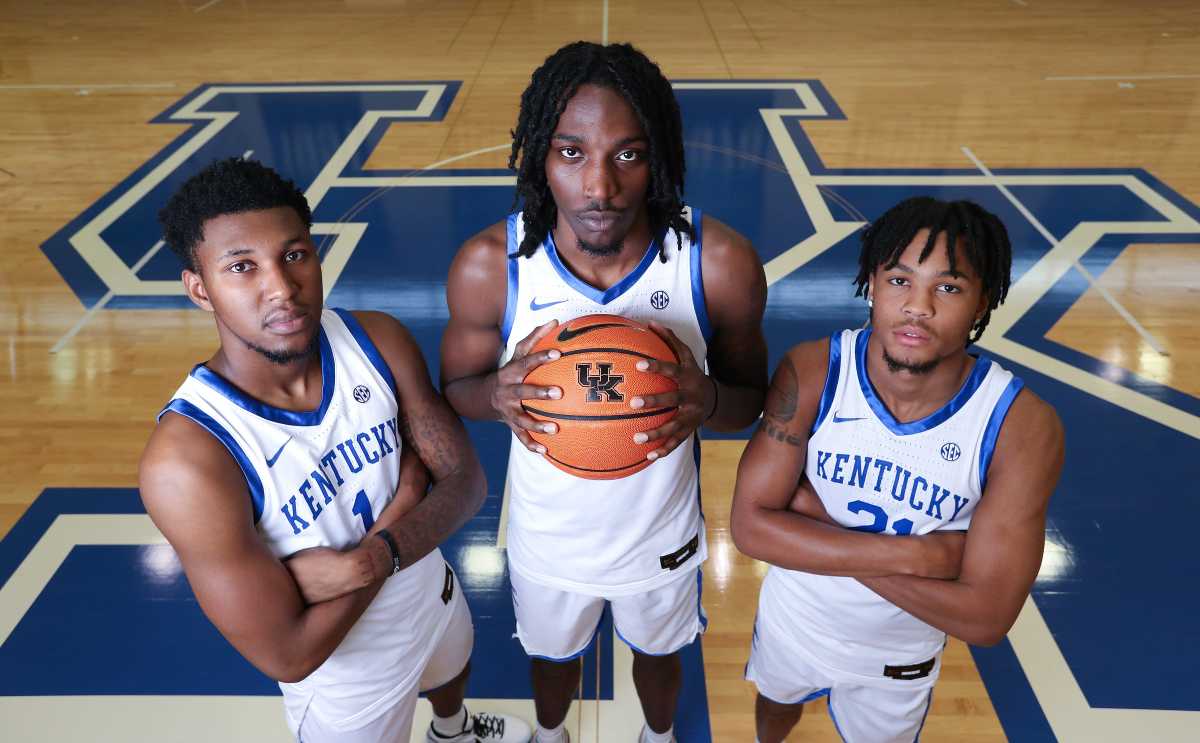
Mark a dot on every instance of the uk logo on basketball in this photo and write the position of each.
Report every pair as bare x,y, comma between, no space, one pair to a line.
603,382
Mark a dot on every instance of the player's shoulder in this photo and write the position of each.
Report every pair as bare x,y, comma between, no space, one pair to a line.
810,360
486,250
181,456
1034,418
735,286
725,246
478,278
394,341
382,328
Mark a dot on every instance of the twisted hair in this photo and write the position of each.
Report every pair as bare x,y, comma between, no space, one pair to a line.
228,186
982,236
621,68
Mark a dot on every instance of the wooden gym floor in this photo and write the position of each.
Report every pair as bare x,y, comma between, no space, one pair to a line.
1088,110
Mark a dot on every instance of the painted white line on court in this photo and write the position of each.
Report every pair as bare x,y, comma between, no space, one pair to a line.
205,6
604,25
1054,243
1121,77
87,316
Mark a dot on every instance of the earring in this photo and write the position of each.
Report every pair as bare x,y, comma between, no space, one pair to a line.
870,302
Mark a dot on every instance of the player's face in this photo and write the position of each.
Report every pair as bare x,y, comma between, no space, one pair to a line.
261,277
598,169
924,312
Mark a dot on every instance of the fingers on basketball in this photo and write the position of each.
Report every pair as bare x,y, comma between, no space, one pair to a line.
536,335
598,375
682,352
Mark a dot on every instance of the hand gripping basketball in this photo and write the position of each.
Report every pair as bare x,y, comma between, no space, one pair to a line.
695,396
510,388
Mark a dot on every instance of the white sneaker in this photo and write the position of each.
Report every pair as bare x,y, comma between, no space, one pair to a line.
645,729
486,727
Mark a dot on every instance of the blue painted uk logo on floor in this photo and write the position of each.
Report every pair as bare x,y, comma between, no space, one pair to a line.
387,238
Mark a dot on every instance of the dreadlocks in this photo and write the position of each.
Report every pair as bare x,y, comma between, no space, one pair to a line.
624,69
982,236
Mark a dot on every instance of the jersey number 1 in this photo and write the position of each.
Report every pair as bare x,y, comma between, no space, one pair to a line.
362,507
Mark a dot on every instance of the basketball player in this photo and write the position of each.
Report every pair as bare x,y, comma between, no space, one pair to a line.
903,440
298,436
603,230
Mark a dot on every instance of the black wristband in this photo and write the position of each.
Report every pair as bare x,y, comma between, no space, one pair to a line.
390,541
716,399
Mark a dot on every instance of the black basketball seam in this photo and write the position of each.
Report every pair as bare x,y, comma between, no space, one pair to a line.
589,469
619,416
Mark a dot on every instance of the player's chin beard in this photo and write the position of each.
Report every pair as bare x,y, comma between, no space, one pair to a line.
598,250
895,365
284,358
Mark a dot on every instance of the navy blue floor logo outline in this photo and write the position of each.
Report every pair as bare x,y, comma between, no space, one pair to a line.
752,165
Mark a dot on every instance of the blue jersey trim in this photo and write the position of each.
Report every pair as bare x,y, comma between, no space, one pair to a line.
573,656
699,303
700,615
253,483
937,417
833,717
815,695
928,702
992,431
368,347
591,292
635,647
831,380
510,302
267,412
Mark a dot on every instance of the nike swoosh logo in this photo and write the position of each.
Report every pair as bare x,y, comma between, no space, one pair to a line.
533,304
836,419
567,334
272,460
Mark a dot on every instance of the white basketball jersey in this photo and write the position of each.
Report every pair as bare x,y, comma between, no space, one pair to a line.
875,474
606,537
318,479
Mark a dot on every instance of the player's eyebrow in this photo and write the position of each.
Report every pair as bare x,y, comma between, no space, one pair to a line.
952,274
576,139
232,252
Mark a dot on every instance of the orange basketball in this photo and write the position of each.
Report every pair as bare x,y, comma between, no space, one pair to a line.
598,376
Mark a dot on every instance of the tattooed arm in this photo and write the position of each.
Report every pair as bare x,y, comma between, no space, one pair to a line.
437,435
763,525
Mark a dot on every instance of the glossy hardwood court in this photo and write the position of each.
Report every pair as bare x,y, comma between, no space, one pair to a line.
1086,113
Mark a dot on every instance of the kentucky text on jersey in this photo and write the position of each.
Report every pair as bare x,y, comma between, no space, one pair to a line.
319,488
881,476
